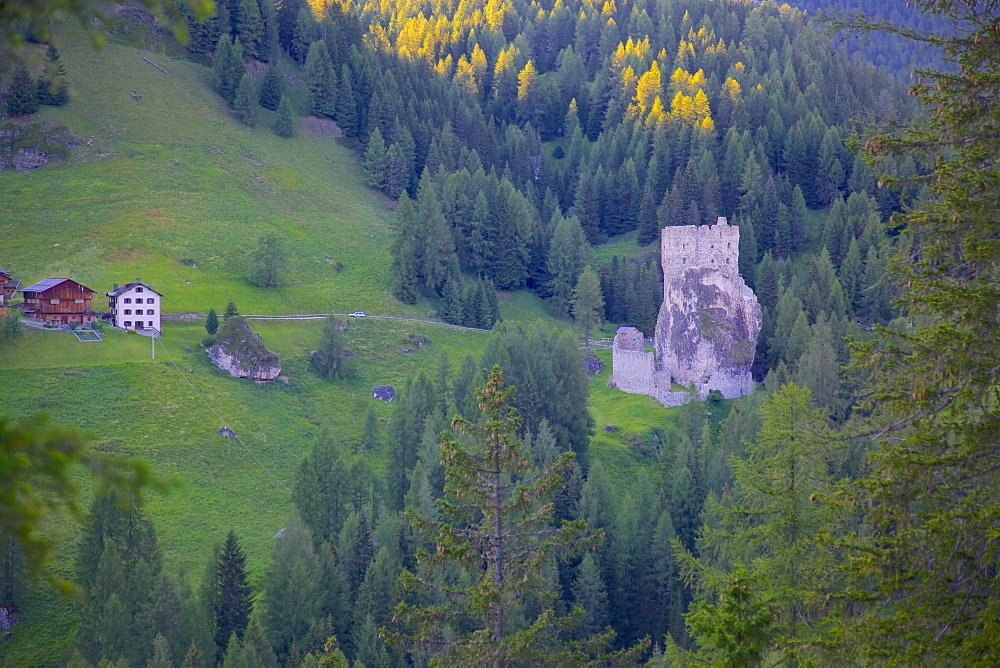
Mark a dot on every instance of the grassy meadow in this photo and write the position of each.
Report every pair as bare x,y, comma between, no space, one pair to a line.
172,177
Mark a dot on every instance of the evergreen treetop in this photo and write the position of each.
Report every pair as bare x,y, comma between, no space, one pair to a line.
496,521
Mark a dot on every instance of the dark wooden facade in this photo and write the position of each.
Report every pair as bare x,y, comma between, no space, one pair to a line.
59,300
8,286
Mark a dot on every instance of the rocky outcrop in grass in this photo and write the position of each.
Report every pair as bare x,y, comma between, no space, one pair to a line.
240,352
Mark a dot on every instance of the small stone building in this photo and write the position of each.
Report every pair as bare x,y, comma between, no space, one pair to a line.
135,306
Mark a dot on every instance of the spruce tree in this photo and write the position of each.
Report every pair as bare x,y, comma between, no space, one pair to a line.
291,595
329,359
320,492
497,524
322,81
566,261
434,233
193,657
306,32
272,88
590,594
772,528
162,658
228,68
452,309
404,252
230,310
233,597
931,485
250,29
370,437
245,102
212,322
588,303
347,110
52,87
374,160
284,125
22,92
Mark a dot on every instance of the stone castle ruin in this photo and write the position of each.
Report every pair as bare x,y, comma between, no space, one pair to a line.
706,332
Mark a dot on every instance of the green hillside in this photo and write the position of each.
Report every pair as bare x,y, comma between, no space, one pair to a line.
170,177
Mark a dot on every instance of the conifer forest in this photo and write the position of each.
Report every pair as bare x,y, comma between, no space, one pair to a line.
530,152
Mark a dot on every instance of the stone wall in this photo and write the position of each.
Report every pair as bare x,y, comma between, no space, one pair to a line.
686,247
632,371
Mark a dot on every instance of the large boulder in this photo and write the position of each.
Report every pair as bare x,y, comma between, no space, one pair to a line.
239,351
707,330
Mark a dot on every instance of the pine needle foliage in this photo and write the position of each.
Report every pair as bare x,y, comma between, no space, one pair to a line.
928,554
496,522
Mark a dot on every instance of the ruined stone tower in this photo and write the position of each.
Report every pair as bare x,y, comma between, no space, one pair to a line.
706,332
707,329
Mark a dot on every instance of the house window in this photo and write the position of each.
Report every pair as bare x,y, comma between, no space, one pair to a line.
128,311
128,300
128,323
79,301
149,300
138,289
53,301
149,311
150,323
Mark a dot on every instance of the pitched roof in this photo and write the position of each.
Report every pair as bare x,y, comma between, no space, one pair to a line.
5,272
49,283
42,286
626,330
128,286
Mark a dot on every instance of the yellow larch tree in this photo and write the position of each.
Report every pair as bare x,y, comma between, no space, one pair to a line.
526,80
648,88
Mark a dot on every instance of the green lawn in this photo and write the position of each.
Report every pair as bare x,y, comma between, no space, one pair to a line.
172,176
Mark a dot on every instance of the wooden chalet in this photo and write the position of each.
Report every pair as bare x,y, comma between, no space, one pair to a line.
59,300
8,286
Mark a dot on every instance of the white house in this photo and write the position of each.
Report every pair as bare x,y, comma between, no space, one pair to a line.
135,306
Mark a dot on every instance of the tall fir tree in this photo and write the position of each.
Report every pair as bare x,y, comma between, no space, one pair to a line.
588,303
566,261
212,322
228,68
233,597
500,528
53,89
245,104
322,81
284,124
22,92
291,594
250,29
272,88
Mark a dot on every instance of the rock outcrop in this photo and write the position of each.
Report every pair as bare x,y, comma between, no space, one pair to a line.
240,352
707,328
706,333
